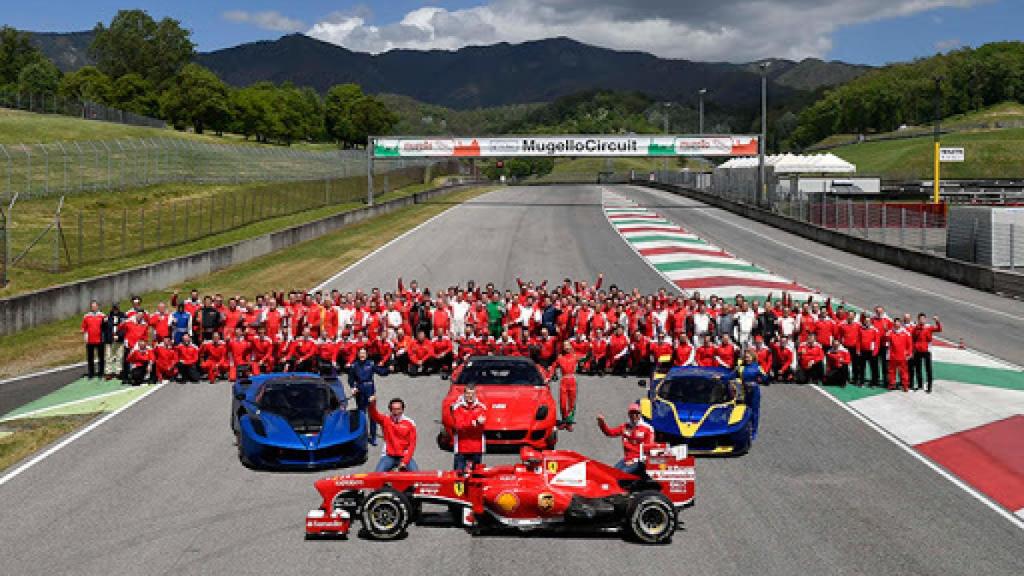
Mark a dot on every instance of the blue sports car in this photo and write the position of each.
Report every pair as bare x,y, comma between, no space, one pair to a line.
709,409
296,422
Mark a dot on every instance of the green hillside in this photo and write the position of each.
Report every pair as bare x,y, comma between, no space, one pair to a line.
989,154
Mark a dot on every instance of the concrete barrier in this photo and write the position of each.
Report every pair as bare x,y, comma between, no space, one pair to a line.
973,275
66,300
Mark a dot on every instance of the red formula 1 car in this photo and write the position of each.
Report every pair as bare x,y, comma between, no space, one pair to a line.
520,408
553,489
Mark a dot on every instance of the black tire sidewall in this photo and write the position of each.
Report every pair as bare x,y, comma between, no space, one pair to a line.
391,497
642,502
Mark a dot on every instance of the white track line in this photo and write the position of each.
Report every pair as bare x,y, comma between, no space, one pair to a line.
40,457
65,404
41,373
855,269
53,449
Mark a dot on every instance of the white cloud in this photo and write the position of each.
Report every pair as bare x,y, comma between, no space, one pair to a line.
708,30
269,20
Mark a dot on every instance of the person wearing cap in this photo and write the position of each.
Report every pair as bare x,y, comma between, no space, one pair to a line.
637,437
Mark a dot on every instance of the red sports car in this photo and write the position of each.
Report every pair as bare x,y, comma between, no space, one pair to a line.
553,489
520,408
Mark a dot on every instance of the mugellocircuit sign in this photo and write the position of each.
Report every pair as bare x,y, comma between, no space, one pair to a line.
512,146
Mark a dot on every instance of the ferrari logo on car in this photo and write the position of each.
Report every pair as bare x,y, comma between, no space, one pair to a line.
553,466
459,488
545,502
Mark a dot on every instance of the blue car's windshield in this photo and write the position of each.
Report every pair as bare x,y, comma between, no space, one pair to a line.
303,403
514,373
694,390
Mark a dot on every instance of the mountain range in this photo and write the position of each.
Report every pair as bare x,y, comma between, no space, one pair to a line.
494,75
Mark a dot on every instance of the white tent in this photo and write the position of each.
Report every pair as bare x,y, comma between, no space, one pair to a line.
797,164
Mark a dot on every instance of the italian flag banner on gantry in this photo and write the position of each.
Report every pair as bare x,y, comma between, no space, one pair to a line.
611,145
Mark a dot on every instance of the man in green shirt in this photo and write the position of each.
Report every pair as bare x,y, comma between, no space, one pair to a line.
495,313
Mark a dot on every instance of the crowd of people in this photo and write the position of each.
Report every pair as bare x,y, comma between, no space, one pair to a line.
567,329
414,331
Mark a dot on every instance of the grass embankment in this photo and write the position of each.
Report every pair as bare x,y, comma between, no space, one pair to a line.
20,439
155,226
298,267
989,154
20,127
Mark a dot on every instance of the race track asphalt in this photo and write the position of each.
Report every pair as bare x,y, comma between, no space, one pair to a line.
158,490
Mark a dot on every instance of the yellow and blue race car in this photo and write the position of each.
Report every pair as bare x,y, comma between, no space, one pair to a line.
709,409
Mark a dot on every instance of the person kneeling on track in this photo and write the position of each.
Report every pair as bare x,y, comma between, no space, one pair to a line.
302,353
399,433
812,361
837,372
421,355
140,364
165,359
215,354
188,360
635,434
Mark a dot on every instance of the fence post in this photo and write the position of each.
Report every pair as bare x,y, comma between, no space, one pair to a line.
103,238
1013,259
124,230
924,227
186,236
974,241
81,238
212,206
885,224
159,227
903,226
234,208
849,216
142,229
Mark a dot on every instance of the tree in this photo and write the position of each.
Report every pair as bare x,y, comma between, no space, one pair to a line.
196,97
16,52
87,83
370,117
39,77
338,112
133,93
135,43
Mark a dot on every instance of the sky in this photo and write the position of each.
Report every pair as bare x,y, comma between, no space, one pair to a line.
858,31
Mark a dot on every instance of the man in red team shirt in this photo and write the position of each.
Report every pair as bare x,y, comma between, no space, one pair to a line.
399,433
811,357
566,363
469,415
92,331
188,360
240,353
140,364
900,346
837,365
165,361
637,436
215,354
922,337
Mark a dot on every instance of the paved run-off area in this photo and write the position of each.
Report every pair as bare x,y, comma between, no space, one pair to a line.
157,489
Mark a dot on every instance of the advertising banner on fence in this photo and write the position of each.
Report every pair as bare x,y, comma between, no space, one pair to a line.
513,146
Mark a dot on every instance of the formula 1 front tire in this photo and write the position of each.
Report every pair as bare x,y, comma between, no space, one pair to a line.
386,514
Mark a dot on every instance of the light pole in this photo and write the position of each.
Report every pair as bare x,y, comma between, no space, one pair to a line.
936,188
762,187
700,110
664,161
